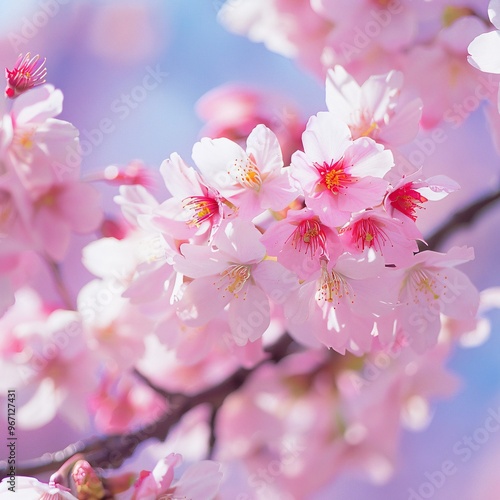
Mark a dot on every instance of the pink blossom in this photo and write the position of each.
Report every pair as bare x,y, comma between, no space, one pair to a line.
121,403
409,193
163,366
484,50
28,72
134,201
394,239
233,274
397,24
64,208
340,305
192,344
453,80
300,241
254,179
195,210
44,354
373,109
290,28
41,150
234,110
338,175
30,488
114,328
432,286
200,481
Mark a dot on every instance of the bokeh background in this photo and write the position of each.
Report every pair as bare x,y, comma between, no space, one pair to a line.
100,51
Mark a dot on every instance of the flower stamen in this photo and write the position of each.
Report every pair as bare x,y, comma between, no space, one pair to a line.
237,275
28,72
309,234
334,177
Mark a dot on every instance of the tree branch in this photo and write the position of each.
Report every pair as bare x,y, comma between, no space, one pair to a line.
462,218
111,451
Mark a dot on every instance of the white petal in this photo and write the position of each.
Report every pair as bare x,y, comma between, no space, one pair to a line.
485,52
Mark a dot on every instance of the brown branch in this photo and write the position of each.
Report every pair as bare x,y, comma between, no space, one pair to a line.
462,218
111,451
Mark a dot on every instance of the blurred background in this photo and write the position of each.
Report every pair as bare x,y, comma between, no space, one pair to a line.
142,66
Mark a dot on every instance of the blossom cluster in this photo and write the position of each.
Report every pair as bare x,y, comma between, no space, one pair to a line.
367,37
327,246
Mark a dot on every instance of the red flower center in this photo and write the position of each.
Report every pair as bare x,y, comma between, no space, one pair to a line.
333,176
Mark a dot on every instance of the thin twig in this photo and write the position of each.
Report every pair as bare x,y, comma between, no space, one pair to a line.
59,284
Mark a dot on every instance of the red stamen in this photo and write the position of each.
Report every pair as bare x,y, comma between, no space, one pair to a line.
27,73
407,200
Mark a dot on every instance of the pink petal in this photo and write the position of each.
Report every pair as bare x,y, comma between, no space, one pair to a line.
197,261
326,138
249,315
343,94
181,180
164,471
202,301
240,240
366,157
263,144
79,204
276,193
460,298
38,104
53,232
379,93
217,160
201,481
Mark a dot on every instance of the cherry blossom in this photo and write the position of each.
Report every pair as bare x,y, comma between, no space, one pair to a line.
45,354
338,306
300,242
255,179
394,239
432,286
373,109
195,210
199,481
32,489
234,110
408,194
233,274
339,176
40,149
272,308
